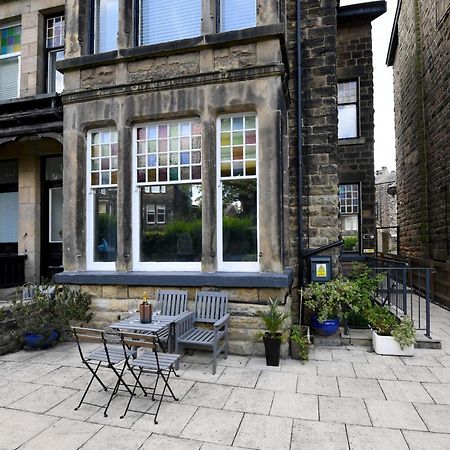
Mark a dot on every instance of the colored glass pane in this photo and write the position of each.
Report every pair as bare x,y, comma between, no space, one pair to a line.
10,40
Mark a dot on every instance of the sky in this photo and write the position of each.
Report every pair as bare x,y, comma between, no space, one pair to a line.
383,87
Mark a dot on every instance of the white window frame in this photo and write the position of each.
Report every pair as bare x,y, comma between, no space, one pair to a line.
90,263
15,54
150,208
358,214
235,266
154,266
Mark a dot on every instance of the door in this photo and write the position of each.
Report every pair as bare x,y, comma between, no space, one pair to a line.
52,214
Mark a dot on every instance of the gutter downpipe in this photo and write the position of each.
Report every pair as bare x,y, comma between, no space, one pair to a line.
299,147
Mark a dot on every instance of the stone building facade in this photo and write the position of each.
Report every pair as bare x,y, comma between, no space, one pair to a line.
212,110
419,55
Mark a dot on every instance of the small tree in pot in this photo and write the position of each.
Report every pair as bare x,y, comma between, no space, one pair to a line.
274,321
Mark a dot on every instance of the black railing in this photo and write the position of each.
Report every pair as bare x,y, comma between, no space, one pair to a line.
405,290
12,270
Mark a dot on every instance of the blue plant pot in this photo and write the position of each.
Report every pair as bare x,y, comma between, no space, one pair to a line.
327,328
34,341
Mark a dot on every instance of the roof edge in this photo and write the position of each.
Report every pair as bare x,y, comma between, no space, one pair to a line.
368,10
393,42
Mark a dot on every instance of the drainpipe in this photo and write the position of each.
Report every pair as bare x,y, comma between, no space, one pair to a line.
300,226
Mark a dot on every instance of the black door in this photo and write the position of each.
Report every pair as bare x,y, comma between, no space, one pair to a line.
52,214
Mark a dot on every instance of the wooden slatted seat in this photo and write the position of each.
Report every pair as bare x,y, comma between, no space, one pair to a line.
211,308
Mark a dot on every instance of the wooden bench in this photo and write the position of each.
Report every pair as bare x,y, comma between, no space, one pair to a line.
211,308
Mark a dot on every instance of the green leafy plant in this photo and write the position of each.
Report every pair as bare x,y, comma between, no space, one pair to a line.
350,242
52,307
404,332
302,342
273,319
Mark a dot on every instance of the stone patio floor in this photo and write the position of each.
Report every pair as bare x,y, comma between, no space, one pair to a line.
342,398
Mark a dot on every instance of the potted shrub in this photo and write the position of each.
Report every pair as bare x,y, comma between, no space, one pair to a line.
300,342
44,319
391,336
274,321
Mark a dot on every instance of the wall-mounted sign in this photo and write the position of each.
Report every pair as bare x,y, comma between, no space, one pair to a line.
369,250
321,271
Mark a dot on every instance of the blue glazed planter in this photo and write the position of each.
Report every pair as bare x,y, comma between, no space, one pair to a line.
33,340
328,328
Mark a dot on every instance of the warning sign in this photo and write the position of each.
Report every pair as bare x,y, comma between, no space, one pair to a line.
321,270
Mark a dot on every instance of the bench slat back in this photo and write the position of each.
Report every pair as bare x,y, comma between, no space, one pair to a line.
210,306
172,303
88,335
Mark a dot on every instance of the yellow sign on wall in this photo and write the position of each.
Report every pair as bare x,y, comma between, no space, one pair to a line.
321,270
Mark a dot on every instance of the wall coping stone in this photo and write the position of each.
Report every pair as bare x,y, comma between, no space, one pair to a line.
217,279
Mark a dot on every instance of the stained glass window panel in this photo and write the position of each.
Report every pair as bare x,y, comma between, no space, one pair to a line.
10,40
104,158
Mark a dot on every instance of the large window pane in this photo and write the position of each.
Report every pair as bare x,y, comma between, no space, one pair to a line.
9,78
162,20
56,214
171,224
55,78
106,25
239,220
237,14
347,121
350,232
9,216
105,225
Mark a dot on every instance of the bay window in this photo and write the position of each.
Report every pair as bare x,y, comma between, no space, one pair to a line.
348,110
102,199
9,61
237,14
167,206
55,52
106,20
237,196
163,21
349,209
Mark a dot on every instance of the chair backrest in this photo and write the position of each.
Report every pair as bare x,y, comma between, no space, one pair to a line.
89,335
138,340
210,306
172,303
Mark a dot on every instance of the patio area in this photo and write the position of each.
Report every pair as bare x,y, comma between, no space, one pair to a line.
342,398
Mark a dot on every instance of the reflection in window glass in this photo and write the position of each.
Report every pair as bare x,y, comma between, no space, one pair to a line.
56,214
239,220
105,224
349,208
237,14
106,25
348,109
171,231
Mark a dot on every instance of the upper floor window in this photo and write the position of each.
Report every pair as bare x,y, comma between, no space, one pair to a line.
55,52
237,14
9,61
348,110
163,21
106,19
349,208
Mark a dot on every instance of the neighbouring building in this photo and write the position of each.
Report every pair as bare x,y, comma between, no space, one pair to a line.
419,54
182,165
386,211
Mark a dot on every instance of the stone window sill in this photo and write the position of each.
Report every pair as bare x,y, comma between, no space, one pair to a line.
353,141
188,279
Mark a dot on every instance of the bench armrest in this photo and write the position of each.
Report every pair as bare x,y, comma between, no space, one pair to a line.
221,322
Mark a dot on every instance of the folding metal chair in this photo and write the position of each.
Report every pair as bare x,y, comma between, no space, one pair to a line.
108,355
160,364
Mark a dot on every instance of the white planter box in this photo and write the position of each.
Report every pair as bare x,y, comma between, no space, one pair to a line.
387,345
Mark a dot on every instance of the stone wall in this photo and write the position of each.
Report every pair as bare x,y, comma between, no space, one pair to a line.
356,156
422,115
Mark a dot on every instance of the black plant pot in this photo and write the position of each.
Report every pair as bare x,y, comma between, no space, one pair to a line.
272,347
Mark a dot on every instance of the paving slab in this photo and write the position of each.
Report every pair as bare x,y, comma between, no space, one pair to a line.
43,399
212,425
409,373
207,394
360,388
422,360
318,385
405,391
257,362
62,376
445,360
277,381
264,432
439,392
343,410
234,376
113,438
370,438
67,407
390,414
374,371
12,391
64,434
298,406
249,400
335,369
233,361
309,435
321,354
441,373
161,442
32,371
202,372
304,369
349,355
418,440
436,417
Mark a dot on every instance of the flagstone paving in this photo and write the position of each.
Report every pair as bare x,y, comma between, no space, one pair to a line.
346,398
